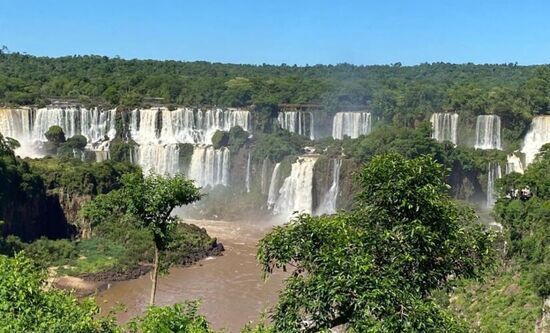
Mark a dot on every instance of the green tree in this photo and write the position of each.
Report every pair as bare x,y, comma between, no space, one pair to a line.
374,268
77,142
151,201
176,318
55,135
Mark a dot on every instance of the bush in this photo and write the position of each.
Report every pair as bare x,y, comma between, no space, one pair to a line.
237,138
541,280
220,139
26,306
55,135
77,142
46,252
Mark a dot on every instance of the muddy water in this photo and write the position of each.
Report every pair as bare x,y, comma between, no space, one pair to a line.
231,287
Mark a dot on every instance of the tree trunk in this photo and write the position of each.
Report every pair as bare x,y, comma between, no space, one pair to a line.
154,276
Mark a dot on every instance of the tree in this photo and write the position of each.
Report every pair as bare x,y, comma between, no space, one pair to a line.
27,306
151,201
176,318
374,268
55,135
77,142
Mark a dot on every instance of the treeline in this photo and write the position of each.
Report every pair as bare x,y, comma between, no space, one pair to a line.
392,91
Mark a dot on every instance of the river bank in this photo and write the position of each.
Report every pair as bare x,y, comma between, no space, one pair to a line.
230,286
89,282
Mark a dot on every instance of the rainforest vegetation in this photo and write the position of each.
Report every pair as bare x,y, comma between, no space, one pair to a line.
398,94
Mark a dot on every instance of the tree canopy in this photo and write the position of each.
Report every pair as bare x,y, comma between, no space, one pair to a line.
374,268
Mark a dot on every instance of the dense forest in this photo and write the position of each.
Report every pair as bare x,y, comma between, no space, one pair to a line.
387,90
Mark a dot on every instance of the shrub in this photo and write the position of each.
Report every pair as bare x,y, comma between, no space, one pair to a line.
220,139
55,135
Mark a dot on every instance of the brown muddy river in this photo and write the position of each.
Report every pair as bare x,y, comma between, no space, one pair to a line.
230,286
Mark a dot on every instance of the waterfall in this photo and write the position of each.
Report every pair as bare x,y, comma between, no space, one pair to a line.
493,173
445,127
328,204
16,123
28,125
263,180
352,124
273,187
209,166
297,122
488,132
296,194
538,135
161,159
247,180
184,125
513,164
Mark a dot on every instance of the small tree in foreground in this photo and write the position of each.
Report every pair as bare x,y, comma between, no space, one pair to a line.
150,201
374,268
26,305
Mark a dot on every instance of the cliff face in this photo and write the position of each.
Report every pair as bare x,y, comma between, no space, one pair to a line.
71,204
35,217
465,185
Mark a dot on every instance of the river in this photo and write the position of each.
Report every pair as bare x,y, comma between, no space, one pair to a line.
230,286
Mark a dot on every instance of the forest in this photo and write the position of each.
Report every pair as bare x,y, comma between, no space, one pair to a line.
389,91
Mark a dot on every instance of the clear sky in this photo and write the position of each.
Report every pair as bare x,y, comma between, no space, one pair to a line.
283,31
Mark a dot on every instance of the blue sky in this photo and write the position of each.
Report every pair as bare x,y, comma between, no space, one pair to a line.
281,31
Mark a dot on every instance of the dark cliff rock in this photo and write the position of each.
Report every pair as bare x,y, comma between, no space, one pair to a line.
35,217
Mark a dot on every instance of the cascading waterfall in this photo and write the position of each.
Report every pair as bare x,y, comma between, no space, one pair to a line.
161,159
247,179
165,129
183,125
297,122
328,204
445,127
488,132
28,126
296,194
538,135
513,164
273,187
17,123
264,185
209,166
352,124
493,173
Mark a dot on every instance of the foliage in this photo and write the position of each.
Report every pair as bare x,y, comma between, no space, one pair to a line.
237,138
47,252
177,318
55,135
27,306
121,151
501,303
75,176
77,142
149,201
220,139
527,223
374,268
398,94
17,181
277,145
